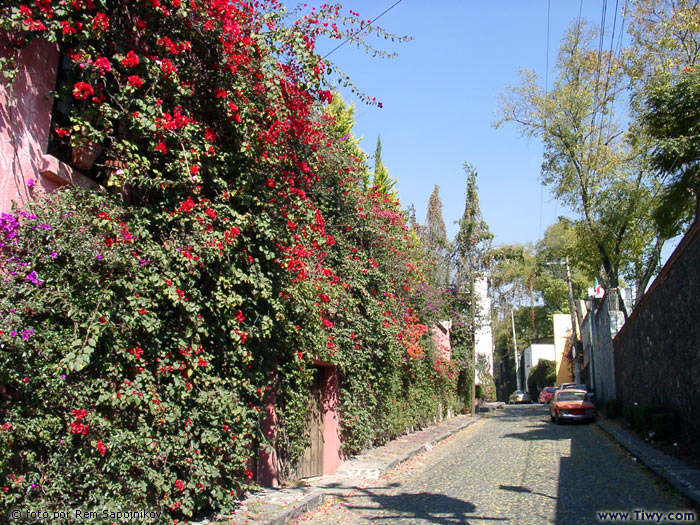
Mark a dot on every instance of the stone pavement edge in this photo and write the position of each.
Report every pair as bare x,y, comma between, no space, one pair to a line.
680,475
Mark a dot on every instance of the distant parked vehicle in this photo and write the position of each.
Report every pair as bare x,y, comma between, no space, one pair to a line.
519,397
546,394
571,404
591,394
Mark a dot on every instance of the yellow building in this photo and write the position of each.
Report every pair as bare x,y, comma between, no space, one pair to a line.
562,346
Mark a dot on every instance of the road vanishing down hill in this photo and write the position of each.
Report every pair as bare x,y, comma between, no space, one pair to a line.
515,467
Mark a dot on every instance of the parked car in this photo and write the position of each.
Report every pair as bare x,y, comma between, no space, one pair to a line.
546,394
571,404
519,397
591,394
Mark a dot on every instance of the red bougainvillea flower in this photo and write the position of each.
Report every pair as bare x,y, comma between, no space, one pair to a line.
167,67
248,474
180,485
79,413
82,90
135,81
102,63
130,60
240,317
101,448
188,205
100,22
77,427
161,148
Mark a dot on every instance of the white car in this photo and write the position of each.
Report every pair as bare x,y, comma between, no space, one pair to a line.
519,397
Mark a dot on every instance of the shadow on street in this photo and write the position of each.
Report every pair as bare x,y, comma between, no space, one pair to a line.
434,508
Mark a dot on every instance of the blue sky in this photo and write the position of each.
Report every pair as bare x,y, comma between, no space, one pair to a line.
440,96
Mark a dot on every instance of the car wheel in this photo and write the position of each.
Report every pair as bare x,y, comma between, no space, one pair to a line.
557,419
551,417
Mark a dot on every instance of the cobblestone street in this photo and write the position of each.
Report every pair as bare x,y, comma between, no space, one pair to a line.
515,467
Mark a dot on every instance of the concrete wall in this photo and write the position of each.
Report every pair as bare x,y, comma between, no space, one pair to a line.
26,171
483,337
532,355
657,351
562,333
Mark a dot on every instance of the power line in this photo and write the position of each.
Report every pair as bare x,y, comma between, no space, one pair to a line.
362,26
546,88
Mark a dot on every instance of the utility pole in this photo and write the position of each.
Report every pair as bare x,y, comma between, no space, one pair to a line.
577,372
517,361
473,395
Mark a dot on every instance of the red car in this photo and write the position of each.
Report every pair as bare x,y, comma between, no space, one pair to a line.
546,394
572,405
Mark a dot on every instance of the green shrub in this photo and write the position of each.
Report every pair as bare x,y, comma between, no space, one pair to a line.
614,408
665,426
640,416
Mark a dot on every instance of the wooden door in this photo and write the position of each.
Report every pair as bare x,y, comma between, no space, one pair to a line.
311,463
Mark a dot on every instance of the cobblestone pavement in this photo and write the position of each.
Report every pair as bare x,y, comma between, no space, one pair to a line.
515,467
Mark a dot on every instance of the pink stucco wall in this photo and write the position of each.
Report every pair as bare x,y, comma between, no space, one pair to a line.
331,424
25,119
268,472
441,339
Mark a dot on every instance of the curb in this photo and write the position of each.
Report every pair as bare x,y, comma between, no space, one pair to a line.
298,509
314,500
674,471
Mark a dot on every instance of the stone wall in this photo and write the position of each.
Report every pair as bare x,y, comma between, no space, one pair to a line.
600,326
657,351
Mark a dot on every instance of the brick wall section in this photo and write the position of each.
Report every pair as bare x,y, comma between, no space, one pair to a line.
657,352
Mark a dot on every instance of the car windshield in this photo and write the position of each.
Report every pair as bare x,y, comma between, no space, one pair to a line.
576,387
550,389
571,396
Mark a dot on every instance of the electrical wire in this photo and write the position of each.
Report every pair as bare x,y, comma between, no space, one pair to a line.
362,26
546,90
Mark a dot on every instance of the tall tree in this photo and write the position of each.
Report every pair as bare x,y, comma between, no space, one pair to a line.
665,40
473,242
664,53
672,120
381,180
472,249
589,163
435,236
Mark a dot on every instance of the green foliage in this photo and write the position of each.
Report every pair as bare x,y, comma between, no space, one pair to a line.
672,120
614,408
473,242
435,240
542,375
640,416
143,343
665,426
486,387
381,181
592,162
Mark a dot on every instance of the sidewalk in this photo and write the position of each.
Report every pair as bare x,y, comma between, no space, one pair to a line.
682,476
277,506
